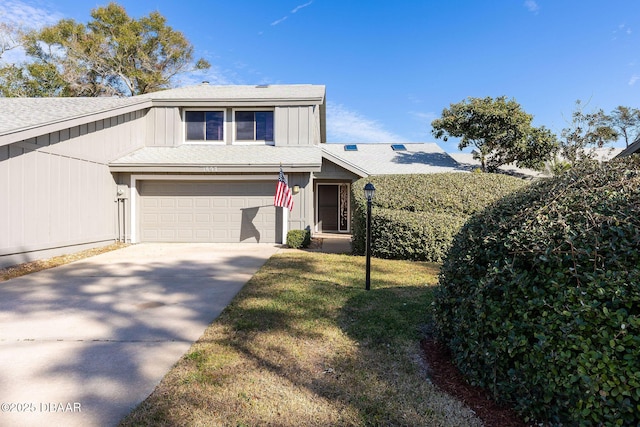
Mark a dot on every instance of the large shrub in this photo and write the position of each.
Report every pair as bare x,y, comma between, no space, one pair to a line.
416,216
540,297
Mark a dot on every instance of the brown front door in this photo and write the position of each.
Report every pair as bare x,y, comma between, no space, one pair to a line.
327,208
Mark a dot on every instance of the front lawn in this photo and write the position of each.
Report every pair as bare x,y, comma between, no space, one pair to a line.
304,344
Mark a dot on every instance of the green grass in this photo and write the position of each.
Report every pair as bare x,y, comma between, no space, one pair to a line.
304,344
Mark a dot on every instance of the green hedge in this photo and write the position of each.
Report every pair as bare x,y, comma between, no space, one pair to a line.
416,216
539,297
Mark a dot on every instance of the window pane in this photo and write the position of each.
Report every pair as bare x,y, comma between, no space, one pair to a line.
215,125
195,125
244,125
264,125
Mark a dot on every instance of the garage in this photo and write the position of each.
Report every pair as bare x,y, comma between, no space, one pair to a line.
208,211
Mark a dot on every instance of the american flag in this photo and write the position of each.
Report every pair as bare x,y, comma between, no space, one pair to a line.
283,197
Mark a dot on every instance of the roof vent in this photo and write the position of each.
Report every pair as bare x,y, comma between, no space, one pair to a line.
205,82
351,147
262,86
398,147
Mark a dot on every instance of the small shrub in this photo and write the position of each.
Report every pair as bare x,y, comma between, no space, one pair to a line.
416,216
297,239
539,297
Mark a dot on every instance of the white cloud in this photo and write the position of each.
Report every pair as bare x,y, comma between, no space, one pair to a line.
294,10
634,79
344,125
23,14
532,6
279,21
297,8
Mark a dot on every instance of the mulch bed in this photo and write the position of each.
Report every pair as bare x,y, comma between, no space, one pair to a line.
444,374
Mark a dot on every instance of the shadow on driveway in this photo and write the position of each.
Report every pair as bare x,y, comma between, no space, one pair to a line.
83,344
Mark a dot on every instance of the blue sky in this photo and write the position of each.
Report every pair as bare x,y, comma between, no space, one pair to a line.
390,67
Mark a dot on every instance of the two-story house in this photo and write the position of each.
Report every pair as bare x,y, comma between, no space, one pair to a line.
193,164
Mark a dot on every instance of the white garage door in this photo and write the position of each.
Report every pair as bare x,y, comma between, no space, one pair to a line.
208,211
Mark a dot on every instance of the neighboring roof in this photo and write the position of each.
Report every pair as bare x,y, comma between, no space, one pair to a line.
221,158
634,147
382,159
22,114
467,162
226,94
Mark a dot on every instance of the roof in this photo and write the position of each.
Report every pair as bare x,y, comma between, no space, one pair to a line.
20,114
205,91
221,158
634,147
382,159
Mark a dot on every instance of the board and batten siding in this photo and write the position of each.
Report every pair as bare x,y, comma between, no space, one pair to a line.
164,127
298,125
53,188
301,217
293,125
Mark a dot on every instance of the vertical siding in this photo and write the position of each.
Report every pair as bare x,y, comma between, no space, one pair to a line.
301,217
296,125
164,127
56,188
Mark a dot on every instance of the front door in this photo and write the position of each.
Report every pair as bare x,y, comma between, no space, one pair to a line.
333,208
327,208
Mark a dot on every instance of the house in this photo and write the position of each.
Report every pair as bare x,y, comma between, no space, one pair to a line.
193,164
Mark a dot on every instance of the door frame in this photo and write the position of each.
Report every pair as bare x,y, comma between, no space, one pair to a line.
343,204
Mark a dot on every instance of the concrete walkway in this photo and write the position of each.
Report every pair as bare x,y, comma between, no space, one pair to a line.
83,344
334,243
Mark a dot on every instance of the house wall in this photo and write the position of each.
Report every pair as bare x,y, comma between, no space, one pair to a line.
301,217
331,171
297,125
293,125
54,188
164,127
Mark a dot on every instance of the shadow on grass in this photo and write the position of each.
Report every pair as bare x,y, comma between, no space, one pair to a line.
305,325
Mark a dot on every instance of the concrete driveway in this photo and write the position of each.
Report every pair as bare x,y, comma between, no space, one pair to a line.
83,344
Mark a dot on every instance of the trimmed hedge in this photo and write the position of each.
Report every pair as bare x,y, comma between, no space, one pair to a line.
415,217
297,239
539,297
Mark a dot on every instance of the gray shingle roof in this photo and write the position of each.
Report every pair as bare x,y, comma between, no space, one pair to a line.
25,113
381,159
223,155
241,92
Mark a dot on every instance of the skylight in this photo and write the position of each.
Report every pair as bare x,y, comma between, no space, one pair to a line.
351,147
398,147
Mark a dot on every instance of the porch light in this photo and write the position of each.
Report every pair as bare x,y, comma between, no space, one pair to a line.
369,192
296,189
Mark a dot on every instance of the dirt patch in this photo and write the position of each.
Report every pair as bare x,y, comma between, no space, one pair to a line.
446,376
43,264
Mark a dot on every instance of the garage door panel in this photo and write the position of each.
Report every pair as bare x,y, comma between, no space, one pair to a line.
194,211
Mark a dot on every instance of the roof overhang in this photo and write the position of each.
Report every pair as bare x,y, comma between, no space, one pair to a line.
199,159
66,122
351,167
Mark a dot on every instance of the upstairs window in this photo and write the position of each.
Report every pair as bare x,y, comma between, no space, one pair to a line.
254,126
204,125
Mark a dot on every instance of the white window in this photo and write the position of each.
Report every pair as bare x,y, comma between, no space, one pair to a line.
254,126
203,126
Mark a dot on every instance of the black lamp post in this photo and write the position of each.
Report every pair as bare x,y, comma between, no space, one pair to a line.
369,192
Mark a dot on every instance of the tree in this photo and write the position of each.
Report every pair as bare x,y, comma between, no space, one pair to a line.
626,121
113,54
500,131
586,132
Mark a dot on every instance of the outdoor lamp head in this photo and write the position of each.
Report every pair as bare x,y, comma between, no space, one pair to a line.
369,191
